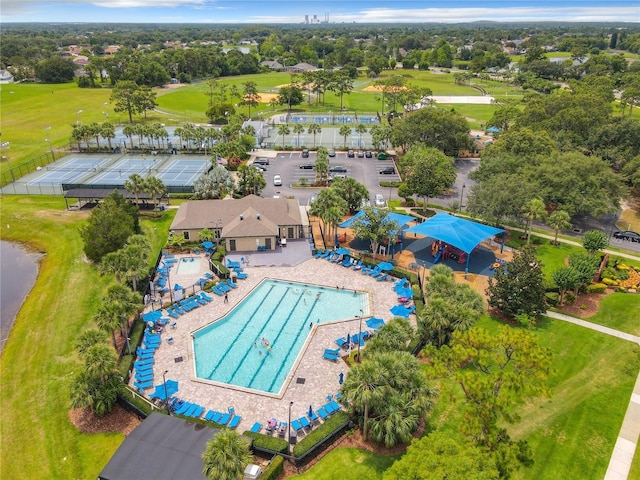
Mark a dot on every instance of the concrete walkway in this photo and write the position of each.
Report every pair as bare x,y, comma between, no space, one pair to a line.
624,450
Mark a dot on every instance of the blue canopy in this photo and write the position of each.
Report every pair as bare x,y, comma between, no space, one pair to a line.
401,311
391,217
493,129
171,388
459,232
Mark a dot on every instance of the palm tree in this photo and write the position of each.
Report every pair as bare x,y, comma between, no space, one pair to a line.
88,339
362,389
345,131
436,318
156,189
135,185
94,130
534,209
109,319
226,456
129,131
559,220
283,130
361,128
108,131
330,208
298,129
314,128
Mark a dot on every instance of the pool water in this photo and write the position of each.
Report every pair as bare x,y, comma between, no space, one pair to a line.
188,266
231,350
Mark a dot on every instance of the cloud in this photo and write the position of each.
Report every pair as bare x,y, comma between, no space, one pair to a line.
146,3
463,15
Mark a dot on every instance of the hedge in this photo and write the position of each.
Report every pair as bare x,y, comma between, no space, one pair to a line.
317,435
266,442
274,469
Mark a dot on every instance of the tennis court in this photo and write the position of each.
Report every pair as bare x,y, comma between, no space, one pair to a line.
110,171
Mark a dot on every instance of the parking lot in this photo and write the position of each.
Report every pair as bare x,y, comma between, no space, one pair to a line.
287,165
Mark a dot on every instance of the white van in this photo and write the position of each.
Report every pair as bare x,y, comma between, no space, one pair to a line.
277,180
379,201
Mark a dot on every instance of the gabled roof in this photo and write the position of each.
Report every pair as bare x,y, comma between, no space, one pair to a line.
198,214
250,223
161,447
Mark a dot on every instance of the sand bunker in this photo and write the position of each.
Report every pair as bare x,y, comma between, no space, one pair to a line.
378,88
267,97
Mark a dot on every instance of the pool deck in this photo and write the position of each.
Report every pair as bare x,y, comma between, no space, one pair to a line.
320,376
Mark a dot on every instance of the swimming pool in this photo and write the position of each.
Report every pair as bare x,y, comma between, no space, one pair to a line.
188,266
231,351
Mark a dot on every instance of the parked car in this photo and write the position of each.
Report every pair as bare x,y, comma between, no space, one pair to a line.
339,175
305,153
388,171
628,235
350,154
360,154
368,154
307,166
260,167
277,180
313,198
382,155
338,169
379,200
261,161
332,153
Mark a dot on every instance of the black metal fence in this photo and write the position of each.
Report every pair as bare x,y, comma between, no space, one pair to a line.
30,166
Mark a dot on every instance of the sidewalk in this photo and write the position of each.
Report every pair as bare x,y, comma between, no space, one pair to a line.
627,442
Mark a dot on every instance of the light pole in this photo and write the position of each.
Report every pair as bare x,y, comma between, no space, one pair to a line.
48,140
166,399
289,433
360,335
128,346
79,122
462,195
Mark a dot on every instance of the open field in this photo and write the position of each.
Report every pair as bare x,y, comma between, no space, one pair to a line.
358,463
38,362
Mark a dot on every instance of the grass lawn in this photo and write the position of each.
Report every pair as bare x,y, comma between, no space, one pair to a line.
572,434
620,311
553,257
349,463
39,362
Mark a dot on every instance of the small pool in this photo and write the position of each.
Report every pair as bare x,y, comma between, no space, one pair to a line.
188,266
231,350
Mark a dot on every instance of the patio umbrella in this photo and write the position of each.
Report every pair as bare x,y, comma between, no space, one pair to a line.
310,413
341,378
374,322
159,392
343,251
405,292
400,311
207,245
385,266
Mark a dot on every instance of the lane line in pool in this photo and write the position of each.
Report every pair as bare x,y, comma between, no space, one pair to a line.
239,333
264,325
284,361
255,374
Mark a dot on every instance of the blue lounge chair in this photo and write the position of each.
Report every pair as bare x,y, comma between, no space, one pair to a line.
271,425
206,297
335,405
329,408
144,369
235,421
177,309
314,418
296,425
217,291
332,351
256,427
231,284
191,410
341,341
241,276
304,422
224,419
140,363
216,417
141,386
382,277
318,253
171,313
358,265
331,356
209,415
197,413
223,287
326,254
282,429
375,272
182,409
346,262
142,377
323,413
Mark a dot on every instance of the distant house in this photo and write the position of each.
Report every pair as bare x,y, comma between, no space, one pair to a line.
301,67
112,49
247,224
272,64
5,76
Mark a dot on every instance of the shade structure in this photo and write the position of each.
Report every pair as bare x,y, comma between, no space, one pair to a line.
375,322
159,392
400,311
385,266
343,251
391,217
207,245
152,316
405,292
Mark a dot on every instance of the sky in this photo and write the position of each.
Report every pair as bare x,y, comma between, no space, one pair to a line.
346,11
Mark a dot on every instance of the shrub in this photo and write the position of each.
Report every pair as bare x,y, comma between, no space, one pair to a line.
569,297
552,298
609,281
410,202
274,469
596,288
317,435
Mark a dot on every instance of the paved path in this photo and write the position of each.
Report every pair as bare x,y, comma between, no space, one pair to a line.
622,456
